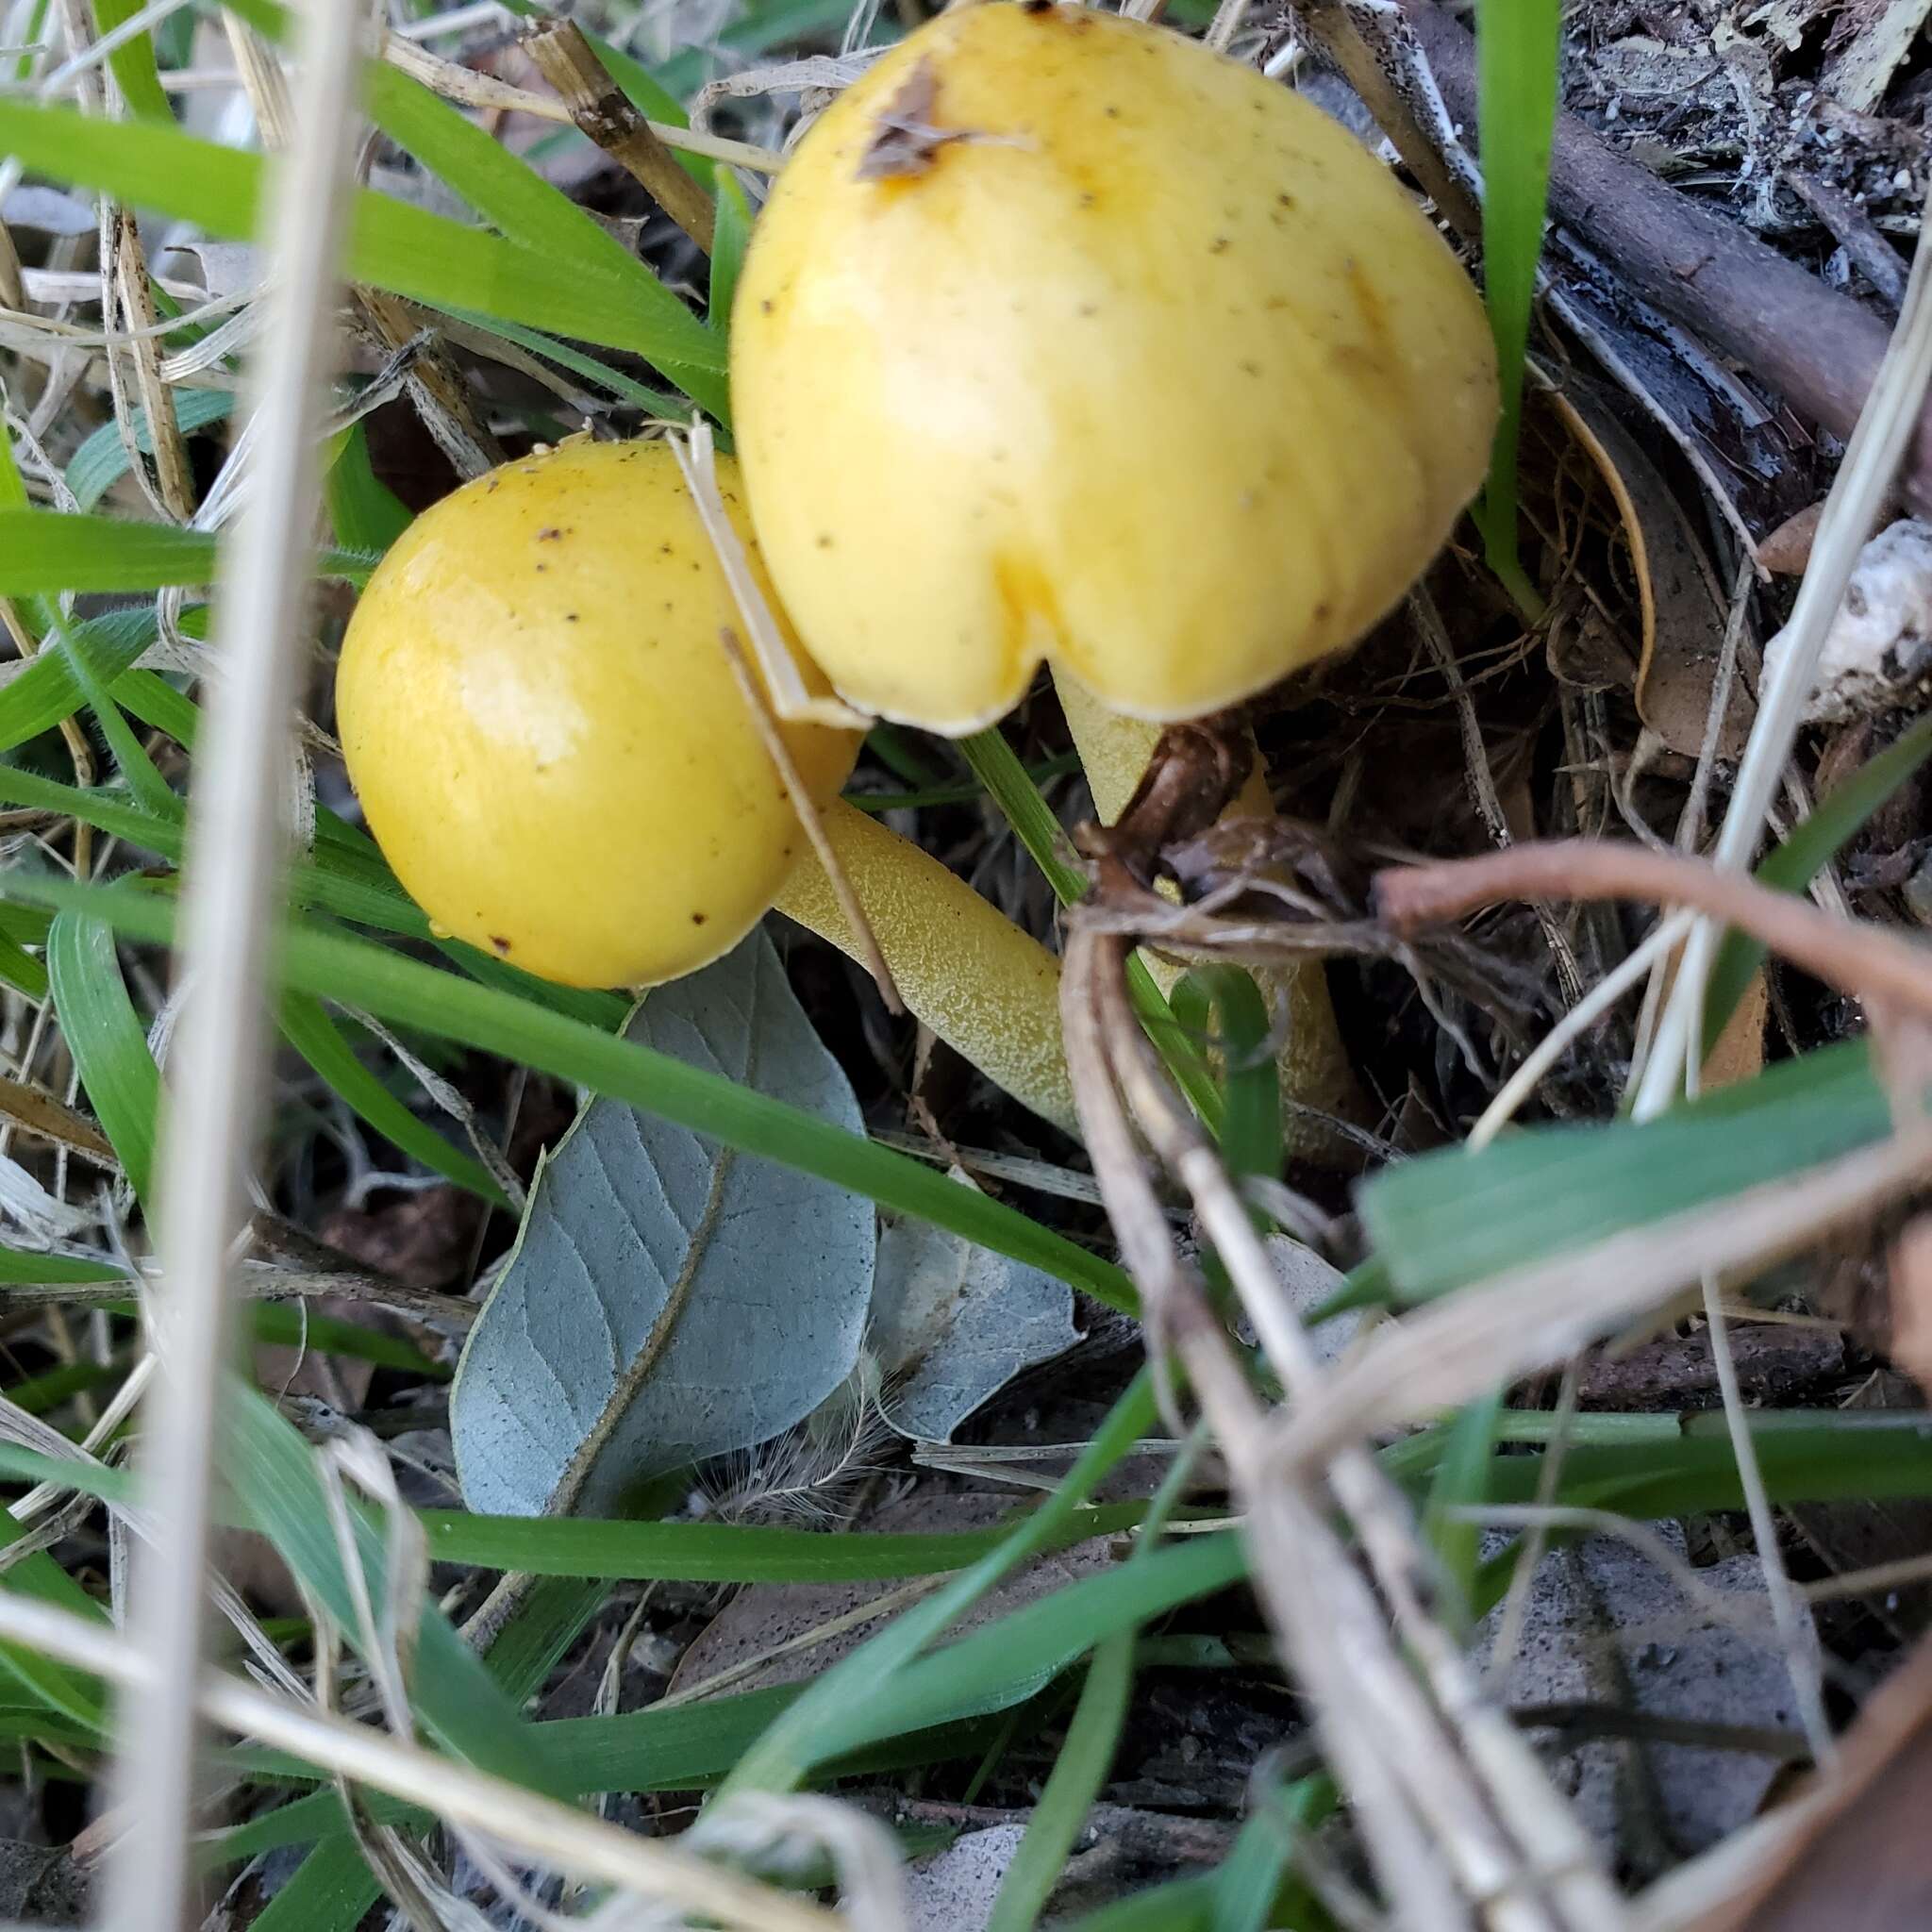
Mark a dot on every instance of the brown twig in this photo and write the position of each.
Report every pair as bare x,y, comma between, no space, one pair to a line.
1818,348
1867,961
602,112
1868,246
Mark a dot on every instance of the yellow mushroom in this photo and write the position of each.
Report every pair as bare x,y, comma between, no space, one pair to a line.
552,751
1062,336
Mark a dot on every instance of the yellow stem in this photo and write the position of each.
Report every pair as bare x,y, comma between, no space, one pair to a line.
986,987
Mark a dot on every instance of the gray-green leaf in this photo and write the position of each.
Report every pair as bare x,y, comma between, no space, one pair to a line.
953,1323
667,1299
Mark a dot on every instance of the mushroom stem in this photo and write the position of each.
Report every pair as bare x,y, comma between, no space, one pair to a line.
1114,750
988,990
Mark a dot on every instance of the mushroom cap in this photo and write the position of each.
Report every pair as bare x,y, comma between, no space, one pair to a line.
1062,336
544,730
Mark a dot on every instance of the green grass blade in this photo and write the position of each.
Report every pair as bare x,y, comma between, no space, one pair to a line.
410,993
334,1888
274,1482
613,382
1517,51
150,790
19,1265
1007,1662
859,1693
728,243
56,1685
728,1553
1450,1219
21,970
1251,1139
106,1040
332,1891
1079,1769
587,1550
391,245
1182,1904
506,191
149,697
1462,1480
1248,1887
45,691
43,552
132,63
291,1325
306,1027
996,1669
365,514
101,460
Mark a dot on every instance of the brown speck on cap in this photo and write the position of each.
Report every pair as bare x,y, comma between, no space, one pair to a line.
501,944
906,142
549,535
699,918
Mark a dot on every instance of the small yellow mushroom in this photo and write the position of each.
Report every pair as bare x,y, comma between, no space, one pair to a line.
1062,336
545,733
554,757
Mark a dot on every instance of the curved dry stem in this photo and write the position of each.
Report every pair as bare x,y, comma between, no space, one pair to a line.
1867,961
1453,1809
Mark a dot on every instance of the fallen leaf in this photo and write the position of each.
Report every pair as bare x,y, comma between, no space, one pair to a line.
669,1299
953,1323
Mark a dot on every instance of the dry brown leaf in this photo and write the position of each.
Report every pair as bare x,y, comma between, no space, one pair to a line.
1738,1053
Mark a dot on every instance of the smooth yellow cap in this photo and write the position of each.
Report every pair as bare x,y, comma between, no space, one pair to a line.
1061,337
544,731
